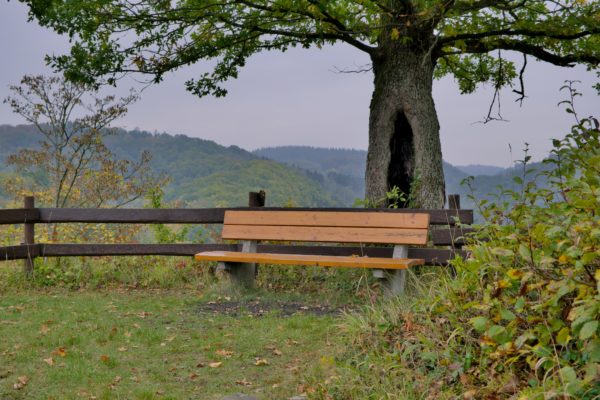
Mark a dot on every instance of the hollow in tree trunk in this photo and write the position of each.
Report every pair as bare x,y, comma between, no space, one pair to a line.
404,141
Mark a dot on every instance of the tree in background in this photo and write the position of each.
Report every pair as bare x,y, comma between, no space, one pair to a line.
72,167
409,43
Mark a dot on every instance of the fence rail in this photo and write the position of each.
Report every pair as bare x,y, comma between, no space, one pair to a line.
187,215
449,230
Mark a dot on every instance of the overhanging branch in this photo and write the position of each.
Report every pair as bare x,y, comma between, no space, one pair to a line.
561,60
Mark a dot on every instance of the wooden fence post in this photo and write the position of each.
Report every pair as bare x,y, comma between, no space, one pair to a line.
454,204
257,199
29,238
454,201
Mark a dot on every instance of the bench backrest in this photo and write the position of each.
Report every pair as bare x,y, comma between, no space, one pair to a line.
325,226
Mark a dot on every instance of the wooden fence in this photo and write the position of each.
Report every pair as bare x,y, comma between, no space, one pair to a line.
449,229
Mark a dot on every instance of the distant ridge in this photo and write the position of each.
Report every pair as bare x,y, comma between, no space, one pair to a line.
205,174
478,169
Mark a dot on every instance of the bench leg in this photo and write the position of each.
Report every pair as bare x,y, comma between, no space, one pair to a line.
395,282
241,274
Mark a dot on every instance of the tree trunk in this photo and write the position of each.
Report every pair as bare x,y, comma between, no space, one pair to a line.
404,141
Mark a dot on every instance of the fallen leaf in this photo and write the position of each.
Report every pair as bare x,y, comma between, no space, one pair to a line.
277,352
193,376
224,353
260,362
49,361
44,329
200,364
61,352
127,334
21,382
122,349
215,364
244,382
104,358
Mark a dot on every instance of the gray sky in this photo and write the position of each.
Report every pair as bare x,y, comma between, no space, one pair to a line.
295,98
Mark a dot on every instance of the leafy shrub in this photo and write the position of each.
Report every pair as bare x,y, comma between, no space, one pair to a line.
522,317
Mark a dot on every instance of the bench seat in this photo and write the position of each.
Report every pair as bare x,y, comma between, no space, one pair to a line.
304,259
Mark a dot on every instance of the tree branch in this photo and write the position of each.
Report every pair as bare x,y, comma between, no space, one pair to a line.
565,60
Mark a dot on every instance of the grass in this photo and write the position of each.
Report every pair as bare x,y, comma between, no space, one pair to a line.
152,344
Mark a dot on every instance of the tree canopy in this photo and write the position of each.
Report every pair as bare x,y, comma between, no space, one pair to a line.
408,41
153,37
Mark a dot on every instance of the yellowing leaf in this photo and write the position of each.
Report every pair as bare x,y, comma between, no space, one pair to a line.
514,274
49,361
224,353
61,352
260,362
215,364
395,34
21,382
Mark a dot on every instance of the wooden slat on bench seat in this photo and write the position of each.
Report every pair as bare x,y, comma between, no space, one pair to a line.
328,218
301,259
325,234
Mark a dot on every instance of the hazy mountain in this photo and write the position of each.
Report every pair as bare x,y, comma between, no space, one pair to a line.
204,173
348,167
478,169
343,167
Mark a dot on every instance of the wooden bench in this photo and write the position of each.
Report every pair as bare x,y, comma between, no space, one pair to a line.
400,229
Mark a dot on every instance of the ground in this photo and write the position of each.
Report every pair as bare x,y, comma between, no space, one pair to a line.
157,344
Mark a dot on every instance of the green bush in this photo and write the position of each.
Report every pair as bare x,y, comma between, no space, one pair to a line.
521,318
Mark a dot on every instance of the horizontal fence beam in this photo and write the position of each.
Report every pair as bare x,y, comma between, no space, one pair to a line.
21,252
455,236
93,250
19,216
431,255
134,215
190,215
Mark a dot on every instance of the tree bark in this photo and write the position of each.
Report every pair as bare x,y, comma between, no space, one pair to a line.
404,141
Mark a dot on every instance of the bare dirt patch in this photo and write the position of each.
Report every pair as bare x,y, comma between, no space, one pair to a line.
259,307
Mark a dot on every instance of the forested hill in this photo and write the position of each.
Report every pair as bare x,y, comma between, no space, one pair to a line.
202,172
339,166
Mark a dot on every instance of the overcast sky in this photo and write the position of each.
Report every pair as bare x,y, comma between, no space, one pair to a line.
296,98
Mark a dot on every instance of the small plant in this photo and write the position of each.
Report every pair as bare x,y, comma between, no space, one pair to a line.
394,198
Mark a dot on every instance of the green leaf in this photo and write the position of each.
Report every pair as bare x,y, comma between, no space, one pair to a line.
507,314
568,374
588,329
499,334
479,323
593,349
563,336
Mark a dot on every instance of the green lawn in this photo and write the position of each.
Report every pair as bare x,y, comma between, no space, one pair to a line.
152,345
